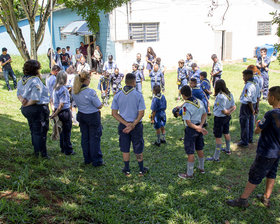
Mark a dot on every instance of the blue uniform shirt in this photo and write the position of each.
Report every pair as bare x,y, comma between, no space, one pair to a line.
196,75
258,91
110,67
266,61
138,75
128,102
269,141
193,110
157,77
205,85
141,64
188,66
32,88
61,96
217,67
182,74
222,102
248,93
199,94
87,101
158,103
104,82
50,82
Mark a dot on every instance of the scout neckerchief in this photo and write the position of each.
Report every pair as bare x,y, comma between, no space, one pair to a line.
193,101
83,87
26,78
227,96
158,96
127,89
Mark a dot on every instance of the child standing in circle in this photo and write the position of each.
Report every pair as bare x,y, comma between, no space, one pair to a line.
158,108
150,58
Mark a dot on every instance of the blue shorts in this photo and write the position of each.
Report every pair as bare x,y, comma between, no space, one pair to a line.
263,167
160,120
221,126
135,136
193,141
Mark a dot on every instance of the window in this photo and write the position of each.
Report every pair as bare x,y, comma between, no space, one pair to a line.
61,35
144,32
264,28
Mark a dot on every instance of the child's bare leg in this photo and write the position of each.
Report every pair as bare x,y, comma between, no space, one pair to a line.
269,187
158,135
126,157
163,140
200,159
218,148
248,190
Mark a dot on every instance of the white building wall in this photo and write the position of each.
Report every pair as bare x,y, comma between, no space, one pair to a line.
185,27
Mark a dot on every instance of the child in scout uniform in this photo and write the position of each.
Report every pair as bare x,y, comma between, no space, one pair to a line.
206,87
141,64
139,77
61,101
50,82
34,97
197,92
247,110
217,69
104,87
224,106
188,62
195,73
263,63
162,68
158,108
194,116
268,156
182,77
116,80
128,108
89,119
157,78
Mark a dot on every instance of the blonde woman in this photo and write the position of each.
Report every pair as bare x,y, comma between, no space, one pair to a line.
61,101
89,119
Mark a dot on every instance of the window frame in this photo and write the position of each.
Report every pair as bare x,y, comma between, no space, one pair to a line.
149,33
264,28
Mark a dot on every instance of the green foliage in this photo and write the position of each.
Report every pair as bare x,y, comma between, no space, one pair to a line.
63,190
276,20
90,9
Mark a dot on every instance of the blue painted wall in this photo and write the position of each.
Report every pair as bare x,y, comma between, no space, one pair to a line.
62,18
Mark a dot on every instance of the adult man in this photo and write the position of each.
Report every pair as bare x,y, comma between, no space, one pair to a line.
83,48
65,59
5,62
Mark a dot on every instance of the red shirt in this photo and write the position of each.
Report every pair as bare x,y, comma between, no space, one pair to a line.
83,49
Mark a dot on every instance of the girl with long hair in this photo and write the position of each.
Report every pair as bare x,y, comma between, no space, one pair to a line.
150,58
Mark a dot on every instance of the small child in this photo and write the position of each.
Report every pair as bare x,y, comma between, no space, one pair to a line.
247,110
104,87
116,80
158,108
194,116
206,87
195,73
268,156
224,106
182,77
141,65
139,77
198,93
157,78
217,69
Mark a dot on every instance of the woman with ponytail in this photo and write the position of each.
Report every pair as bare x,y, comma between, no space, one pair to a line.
89,119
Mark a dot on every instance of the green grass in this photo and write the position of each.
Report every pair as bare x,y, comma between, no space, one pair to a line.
63,190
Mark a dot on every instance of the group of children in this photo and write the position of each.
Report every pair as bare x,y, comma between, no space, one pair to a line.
128,108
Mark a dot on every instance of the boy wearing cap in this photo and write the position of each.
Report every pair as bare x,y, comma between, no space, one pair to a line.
5,62
128,108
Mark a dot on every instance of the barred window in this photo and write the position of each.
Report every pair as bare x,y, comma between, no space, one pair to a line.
144,32
264,28
61,35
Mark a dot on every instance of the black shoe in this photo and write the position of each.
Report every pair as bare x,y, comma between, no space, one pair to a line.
157,143
46,157
163,141
144,171
181,139
71,154
242,203
209,114
251,141
126,172
36,155
240,144
265,201
99,164
205,125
